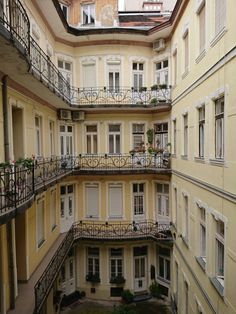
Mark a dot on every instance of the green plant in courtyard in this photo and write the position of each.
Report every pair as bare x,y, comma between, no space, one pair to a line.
154,289
127,296
124,309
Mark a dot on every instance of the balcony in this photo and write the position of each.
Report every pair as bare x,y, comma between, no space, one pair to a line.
122,163
15,28
121,97
20,182
122,231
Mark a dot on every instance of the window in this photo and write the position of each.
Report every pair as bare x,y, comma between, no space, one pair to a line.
138,198
174,137
220,15
138,135
66,140
138,76
40,216
175,219
92,200
161,73
114,138
220,251
51,138
115,200
116,263
89,75
202,27
201,130
93,261
203,234
186,218
164,263
65,69
219,128
176,282
88,14
161,135
186,52
38,135
163,200
65,10
186,298
53,208
114,77
186,135
91,139
175,67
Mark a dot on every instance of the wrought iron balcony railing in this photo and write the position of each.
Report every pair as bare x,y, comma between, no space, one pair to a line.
87,230
122,231
15,22
122,162
45,282
21,181
121,96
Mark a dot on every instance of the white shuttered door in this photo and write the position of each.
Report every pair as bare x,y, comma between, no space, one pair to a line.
89,75
115,201
92,201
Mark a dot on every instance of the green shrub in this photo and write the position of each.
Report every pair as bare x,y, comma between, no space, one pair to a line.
127,296
154,289
124,309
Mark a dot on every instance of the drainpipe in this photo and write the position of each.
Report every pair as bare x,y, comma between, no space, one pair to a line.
9,224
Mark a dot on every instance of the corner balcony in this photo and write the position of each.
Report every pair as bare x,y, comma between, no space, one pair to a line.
133,163
28,66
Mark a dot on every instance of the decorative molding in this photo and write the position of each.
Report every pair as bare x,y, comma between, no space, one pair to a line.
88,60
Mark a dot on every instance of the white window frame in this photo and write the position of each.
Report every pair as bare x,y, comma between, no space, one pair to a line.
202,230
92,185
66,73
140,195
113,68
53,208
186,217
161,135
201,12
220,15
140,74
220,240
38,135
137,131
115,185
166,263
95,258
185,135
89,6
219,128
174,137
40,238
160,72
201,131
93,135
66,12
164,197
116,258
114,134
51,126
67,136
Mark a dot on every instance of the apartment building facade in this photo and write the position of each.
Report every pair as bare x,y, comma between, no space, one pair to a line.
90,198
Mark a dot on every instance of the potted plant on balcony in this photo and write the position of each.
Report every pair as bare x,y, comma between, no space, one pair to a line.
153,101
142,89
118,280
150,136
163,86
93,278
154,87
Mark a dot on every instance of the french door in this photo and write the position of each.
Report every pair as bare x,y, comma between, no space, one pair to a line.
67,207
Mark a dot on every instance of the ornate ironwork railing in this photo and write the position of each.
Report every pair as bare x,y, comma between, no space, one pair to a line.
15,20
45,282
119,96
19,182
136,161
122,230
44,69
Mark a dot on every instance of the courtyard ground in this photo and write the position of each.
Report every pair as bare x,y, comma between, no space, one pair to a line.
86,306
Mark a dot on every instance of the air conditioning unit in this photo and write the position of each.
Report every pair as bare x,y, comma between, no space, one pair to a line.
78,115
64,114
159,45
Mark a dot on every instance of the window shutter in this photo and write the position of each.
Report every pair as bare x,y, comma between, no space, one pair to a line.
89,75
115,200
92,201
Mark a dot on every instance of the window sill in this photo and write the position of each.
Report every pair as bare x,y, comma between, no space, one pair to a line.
219,286
53,228
217,162
40,244
184,157
201,56
166,281
218,36
200,159
185,241
185,73
201,262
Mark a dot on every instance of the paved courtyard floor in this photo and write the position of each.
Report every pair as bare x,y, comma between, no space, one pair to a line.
86,306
